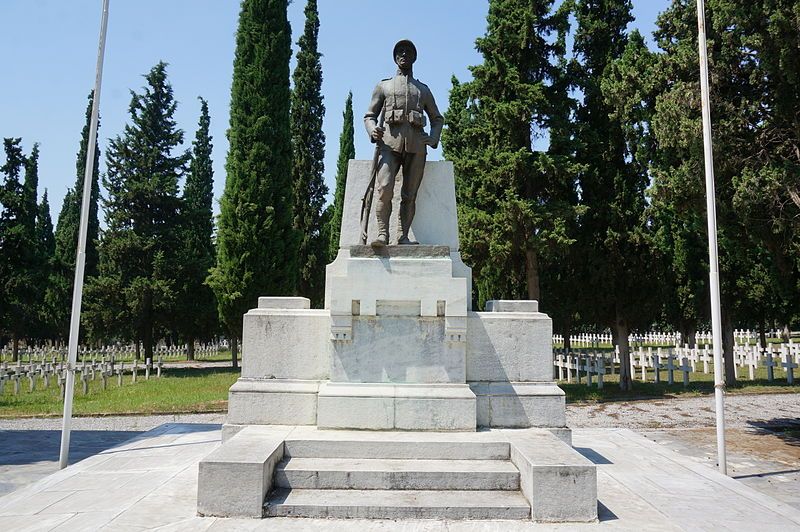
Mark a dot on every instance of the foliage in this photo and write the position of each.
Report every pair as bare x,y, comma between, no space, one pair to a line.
196,306
614,240
513,200
256,244
757,274
59,292
308,151
133,295
17,247
347,151
45,326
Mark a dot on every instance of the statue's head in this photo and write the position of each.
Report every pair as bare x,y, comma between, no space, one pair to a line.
405,53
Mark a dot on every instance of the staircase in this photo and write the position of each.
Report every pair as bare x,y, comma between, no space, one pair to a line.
388,479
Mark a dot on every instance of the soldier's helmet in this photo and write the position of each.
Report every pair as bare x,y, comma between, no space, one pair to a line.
405,42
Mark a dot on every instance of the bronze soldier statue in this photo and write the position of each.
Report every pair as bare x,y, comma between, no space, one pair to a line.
399,103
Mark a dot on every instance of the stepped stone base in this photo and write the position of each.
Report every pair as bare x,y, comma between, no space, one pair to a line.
306,472
383,504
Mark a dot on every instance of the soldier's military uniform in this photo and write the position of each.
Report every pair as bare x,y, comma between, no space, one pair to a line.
401,103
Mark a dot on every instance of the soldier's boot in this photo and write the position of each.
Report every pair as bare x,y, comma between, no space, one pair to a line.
404,222
382,215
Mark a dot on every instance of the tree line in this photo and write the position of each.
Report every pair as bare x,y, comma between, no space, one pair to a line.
158,269
580,174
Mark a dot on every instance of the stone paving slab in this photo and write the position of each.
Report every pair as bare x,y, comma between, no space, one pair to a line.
764,459
642,485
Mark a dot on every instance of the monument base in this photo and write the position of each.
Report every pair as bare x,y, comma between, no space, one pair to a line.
387,406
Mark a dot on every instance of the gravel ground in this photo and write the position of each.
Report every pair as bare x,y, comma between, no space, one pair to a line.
741,411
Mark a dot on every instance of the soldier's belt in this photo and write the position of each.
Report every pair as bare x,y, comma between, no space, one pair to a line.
398,116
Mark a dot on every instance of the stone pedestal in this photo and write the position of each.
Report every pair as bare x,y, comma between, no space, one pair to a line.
399,336
397,345
392,378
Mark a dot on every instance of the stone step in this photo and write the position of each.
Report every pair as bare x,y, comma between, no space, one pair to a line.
422,448
396,474
396,504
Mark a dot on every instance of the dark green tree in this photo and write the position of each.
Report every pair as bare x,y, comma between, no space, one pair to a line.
59,293
18,249
749,263
513,198
347,151
139,250
308,152
256,244
46,247
197,312
31,187
767,190
616,255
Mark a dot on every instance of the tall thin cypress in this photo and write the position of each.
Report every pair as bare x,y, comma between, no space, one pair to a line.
197,306
347,151
308,151
256,244
46,247
59,293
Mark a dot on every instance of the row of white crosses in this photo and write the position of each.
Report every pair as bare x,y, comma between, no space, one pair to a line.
577,363
119,351
740,336
40,368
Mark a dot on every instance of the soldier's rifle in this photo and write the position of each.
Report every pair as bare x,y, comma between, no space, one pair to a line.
366,200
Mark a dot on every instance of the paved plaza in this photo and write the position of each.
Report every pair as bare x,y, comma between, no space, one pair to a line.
140,473
150,482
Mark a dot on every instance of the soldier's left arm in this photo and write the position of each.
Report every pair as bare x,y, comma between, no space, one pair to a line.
435,117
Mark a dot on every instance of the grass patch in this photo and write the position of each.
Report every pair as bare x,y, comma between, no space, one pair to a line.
206,390
178,390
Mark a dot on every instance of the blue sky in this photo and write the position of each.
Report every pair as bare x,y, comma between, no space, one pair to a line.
50,50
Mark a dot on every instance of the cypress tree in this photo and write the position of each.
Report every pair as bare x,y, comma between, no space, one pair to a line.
347,151
308,151
46,245
135,290
196,305
59,293
512,212
31,187
756,280
256,244
615,252
17,247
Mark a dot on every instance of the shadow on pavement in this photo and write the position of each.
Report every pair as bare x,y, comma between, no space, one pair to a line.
19,447
786,428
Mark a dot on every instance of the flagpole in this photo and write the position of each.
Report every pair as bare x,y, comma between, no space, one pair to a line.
80,262
713,259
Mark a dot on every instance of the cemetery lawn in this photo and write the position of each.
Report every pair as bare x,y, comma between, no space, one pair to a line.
199,390
179,390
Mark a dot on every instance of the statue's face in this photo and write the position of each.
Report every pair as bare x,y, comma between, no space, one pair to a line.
404,56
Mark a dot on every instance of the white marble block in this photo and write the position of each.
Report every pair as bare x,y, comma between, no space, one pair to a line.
386,406
435,221
398,349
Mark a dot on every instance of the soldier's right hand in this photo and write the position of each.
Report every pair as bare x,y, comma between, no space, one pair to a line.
377,134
